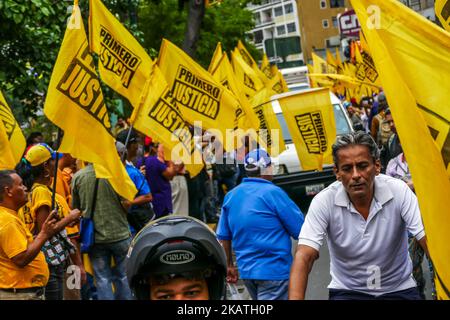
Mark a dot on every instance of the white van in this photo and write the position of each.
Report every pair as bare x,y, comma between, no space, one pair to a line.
287,162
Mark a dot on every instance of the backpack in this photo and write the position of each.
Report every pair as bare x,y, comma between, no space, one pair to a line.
384,130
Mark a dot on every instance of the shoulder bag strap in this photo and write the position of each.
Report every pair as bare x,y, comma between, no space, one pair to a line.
94,198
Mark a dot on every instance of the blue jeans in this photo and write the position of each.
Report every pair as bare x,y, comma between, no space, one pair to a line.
267,289
54,290
105,275
408,294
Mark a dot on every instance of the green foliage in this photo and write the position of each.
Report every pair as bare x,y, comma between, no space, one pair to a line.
226,22
32,31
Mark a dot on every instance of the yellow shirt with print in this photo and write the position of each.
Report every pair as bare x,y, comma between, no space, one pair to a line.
41,195
14,239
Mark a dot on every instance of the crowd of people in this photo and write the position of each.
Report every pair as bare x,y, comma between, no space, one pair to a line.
158,246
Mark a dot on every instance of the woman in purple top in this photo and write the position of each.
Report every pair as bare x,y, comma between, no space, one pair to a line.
158,173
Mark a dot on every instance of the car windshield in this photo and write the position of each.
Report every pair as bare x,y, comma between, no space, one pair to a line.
342,126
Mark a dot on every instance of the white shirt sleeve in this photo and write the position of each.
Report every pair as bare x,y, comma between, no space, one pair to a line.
411,214
315,226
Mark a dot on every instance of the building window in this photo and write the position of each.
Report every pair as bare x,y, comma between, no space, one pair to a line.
325,24
335,22
337,3
291,27
323,4
281,30
278,11
257,18
266,16
258,36
288,8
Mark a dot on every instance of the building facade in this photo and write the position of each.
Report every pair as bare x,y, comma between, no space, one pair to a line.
424,7
319,25
277,32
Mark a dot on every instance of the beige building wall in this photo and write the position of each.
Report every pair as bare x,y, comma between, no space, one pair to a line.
318,24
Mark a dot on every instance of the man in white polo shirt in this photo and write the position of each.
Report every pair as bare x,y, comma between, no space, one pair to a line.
366,218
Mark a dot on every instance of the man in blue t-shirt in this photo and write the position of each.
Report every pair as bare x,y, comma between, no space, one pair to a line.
258,220
144,195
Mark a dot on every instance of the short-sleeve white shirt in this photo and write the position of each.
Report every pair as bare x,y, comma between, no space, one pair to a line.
366,256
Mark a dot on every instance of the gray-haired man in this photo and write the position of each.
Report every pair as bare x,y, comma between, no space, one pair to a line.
366,217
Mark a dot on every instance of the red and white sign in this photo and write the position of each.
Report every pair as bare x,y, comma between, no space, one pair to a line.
349,24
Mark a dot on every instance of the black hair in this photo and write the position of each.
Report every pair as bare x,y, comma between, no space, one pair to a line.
33,136
5,181
28,173
122,136
356,138
253,173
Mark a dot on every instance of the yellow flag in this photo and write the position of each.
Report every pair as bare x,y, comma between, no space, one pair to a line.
365,68
243,53
123,63
224,74
442,8
331,63
246,56
319,64
412,57
266,68
312,82
246,76
195,92
217,55
270,130
338,61
165,123
310,119
75,104
12,141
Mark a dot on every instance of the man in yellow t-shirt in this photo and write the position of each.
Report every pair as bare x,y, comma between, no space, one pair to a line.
23,269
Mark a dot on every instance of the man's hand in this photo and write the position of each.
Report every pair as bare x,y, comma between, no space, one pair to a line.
232,274
142,169
74,217
49,228
126,204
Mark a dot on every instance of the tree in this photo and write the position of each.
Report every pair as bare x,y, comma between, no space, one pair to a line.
30,37
226,22
32,31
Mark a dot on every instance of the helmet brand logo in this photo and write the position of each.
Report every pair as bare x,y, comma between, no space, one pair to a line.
177,257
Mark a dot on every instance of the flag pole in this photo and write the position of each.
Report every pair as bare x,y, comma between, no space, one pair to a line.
58,142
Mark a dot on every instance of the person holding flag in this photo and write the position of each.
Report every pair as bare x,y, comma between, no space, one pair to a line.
37,170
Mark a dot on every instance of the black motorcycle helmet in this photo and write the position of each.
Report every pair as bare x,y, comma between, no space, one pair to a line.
176,246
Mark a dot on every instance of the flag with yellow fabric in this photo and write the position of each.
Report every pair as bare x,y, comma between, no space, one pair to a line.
442,9
365,68
266,68
75,104
319,64
12,141
338,61
412,57
270,130
195,92
312,82
309,117
159,118
223,73
123,64
243,53
217,55
246,75
331,63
